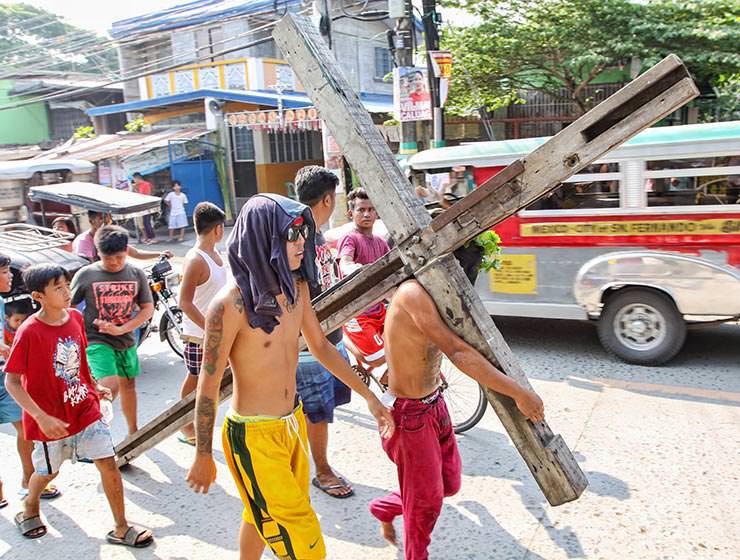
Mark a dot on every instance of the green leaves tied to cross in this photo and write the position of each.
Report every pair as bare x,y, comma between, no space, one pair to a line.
423,246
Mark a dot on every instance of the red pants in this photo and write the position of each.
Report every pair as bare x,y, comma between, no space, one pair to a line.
424,449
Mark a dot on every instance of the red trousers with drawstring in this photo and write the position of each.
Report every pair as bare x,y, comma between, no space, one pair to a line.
424,449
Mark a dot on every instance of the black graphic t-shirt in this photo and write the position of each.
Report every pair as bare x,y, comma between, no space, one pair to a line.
110,296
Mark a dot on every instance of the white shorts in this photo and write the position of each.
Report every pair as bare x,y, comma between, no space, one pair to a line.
178,221
94,442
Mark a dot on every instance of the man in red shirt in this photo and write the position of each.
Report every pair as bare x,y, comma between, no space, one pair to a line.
145,187
48,376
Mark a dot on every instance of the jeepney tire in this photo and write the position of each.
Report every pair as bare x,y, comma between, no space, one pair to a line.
675,327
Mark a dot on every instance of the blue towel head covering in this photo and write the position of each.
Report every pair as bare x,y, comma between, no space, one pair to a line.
258,257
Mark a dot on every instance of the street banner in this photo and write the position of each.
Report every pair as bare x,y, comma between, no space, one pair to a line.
442,65
411,94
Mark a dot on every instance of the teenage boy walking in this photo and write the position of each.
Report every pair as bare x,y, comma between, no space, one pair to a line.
48,375
254,324
319,390
360,247
424,447
204,274
117,302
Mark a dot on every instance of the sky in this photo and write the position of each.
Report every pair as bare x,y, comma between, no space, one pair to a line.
79,12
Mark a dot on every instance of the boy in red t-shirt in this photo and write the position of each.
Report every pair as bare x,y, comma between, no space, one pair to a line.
48,376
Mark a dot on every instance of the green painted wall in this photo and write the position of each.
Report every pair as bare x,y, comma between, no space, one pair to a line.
25,125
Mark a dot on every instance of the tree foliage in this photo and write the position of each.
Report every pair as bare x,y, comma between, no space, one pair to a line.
32,39
557,46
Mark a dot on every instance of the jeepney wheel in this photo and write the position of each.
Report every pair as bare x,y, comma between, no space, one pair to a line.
641,326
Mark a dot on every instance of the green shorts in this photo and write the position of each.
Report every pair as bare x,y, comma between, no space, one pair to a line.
105,361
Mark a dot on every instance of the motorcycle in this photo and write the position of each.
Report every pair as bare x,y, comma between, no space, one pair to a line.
163,284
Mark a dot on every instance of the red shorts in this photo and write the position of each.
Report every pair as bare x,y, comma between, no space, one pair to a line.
366,333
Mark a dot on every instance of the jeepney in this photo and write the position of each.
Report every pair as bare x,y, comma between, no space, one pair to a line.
644,242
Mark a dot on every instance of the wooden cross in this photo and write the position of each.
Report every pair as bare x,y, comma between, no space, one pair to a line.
423,246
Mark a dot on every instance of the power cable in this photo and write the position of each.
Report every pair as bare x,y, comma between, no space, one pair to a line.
123,78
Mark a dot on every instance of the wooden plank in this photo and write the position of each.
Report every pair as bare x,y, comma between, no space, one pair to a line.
489,188
548,458
340,108
375,281
569,151
349,122
164,425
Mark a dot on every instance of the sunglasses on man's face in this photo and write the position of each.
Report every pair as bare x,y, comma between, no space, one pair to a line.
296,230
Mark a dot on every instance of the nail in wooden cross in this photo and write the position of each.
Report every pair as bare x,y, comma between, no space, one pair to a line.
423,247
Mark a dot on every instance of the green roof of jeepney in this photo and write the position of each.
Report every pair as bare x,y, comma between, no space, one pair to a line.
478,152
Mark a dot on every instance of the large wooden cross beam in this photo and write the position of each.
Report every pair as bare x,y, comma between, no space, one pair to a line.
423,246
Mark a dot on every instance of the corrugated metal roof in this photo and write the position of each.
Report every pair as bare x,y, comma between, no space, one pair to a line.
197,12
373,102
120,145
502,152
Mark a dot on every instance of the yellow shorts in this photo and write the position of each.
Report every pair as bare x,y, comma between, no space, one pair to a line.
269,461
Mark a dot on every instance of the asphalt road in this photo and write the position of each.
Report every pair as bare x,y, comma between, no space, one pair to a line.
659,446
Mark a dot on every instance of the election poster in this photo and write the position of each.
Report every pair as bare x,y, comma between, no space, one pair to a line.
411,94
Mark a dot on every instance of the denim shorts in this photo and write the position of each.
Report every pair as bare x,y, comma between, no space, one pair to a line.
94,442
9,410
318,389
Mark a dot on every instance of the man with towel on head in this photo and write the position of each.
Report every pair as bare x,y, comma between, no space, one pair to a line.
254,324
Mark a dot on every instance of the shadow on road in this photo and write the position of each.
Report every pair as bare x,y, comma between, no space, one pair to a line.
178,508
556,350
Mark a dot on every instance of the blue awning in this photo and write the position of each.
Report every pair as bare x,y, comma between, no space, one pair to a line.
373,102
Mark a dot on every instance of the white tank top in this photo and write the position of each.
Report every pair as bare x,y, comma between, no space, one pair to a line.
206,292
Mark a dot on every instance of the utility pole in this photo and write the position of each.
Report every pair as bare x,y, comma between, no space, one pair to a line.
430,20
402,11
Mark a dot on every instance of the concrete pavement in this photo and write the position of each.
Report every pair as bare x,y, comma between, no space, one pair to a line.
659,445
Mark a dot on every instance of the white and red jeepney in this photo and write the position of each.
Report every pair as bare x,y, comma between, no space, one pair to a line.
645,241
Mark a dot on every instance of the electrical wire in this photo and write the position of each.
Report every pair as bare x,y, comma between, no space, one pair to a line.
105,44
123,78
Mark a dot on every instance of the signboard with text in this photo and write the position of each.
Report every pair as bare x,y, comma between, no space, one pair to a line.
411,94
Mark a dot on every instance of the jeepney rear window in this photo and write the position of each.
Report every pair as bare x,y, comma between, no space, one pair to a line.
595,186
713,180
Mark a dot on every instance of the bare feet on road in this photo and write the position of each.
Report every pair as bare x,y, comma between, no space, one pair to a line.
388,532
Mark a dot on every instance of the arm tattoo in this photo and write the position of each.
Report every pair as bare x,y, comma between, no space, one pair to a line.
205,419
214,336
239,303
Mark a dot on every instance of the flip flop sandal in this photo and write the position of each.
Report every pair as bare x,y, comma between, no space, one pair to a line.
31,528
325,488
186,440
3,503
49,493
130,538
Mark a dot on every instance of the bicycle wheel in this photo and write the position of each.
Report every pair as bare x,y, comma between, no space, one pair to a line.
466,399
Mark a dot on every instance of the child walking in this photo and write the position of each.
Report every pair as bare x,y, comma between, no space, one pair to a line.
10,412
48,376
176,201
204,274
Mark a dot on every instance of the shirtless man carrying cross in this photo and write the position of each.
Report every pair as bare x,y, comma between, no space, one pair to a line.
423,446
255,323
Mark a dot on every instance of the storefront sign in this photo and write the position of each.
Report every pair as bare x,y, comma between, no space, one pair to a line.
633,227
517,275
411,94
275,121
